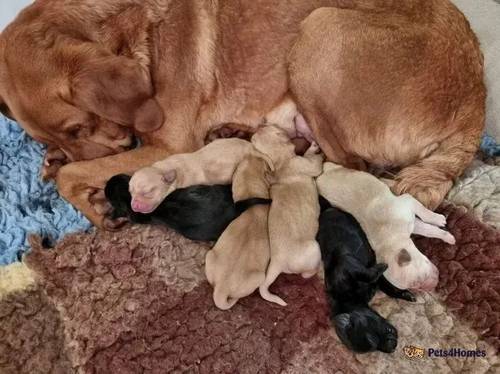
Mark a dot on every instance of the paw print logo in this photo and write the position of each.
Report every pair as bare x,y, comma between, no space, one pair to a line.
414,353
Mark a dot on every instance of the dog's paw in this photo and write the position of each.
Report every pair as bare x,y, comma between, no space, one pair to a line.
115,224
99,202
449,238
53,160
408,296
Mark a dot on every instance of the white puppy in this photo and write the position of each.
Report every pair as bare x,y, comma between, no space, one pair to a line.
294,212
388,222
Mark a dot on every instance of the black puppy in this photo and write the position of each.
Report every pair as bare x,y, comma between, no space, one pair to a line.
197,212
352,276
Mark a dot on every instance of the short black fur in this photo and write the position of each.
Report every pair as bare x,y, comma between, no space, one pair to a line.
352,276
197,212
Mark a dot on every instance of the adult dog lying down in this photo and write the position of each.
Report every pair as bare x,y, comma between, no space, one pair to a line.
393,83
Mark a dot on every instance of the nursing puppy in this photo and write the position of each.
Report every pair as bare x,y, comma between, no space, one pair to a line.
213,164
197,212
351,280
236,266
294,212
388,221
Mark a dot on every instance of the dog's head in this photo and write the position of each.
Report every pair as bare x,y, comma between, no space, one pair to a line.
410,269
364,330
69,90
149,186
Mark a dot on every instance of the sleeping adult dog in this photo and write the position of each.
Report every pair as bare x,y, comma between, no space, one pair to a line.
386,82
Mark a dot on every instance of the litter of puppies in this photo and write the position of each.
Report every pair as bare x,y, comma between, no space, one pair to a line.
286,213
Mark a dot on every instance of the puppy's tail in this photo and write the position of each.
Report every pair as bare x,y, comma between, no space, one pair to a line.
271,276
243,205
222,299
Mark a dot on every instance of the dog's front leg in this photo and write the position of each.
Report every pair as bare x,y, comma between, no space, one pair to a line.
81,183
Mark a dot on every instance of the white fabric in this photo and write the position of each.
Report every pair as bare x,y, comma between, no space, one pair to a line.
484,17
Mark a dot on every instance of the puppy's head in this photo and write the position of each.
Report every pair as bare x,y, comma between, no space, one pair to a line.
68,90
117,193
273,142
410,269
149,187
364,330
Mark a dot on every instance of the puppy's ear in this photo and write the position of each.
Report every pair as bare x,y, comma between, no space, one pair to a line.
118,89
372,274
170,176
403,257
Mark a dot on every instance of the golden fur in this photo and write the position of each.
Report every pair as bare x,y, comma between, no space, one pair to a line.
294,212
385,82
236,266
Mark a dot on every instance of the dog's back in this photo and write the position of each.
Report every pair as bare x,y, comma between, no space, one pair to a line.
349,262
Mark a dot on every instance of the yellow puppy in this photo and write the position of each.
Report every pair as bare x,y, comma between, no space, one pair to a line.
213,164
236,266
294,212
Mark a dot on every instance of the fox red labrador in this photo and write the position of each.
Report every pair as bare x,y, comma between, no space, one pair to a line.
389,83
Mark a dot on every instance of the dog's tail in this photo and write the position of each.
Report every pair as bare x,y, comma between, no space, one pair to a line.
243,205
222,299
272,273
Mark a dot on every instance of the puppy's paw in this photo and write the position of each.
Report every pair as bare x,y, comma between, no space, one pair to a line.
314,148
440,220
408,296
449,238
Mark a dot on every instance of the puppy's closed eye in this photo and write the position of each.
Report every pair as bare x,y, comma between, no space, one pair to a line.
404,257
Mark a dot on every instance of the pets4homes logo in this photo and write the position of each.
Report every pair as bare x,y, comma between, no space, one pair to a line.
416,353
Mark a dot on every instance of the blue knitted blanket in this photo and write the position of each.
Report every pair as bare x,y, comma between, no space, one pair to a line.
28,205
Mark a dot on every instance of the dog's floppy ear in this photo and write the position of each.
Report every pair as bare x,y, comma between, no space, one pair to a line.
169,176
118,89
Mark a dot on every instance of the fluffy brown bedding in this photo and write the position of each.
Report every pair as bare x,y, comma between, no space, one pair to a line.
137,302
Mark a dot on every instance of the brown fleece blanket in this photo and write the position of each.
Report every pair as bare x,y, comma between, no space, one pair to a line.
137,302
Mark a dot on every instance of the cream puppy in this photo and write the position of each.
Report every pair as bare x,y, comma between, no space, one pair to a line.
294,212
388,222
236,266
213,164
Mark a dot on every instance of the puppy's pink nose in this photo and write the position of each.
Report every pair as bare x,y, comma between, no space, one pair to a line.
139,207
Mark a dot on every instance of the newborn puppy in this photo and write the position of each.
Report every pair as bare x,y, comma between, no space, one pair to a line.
388,221
351,271
197,212
236,266
351,280
213,164
294,212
